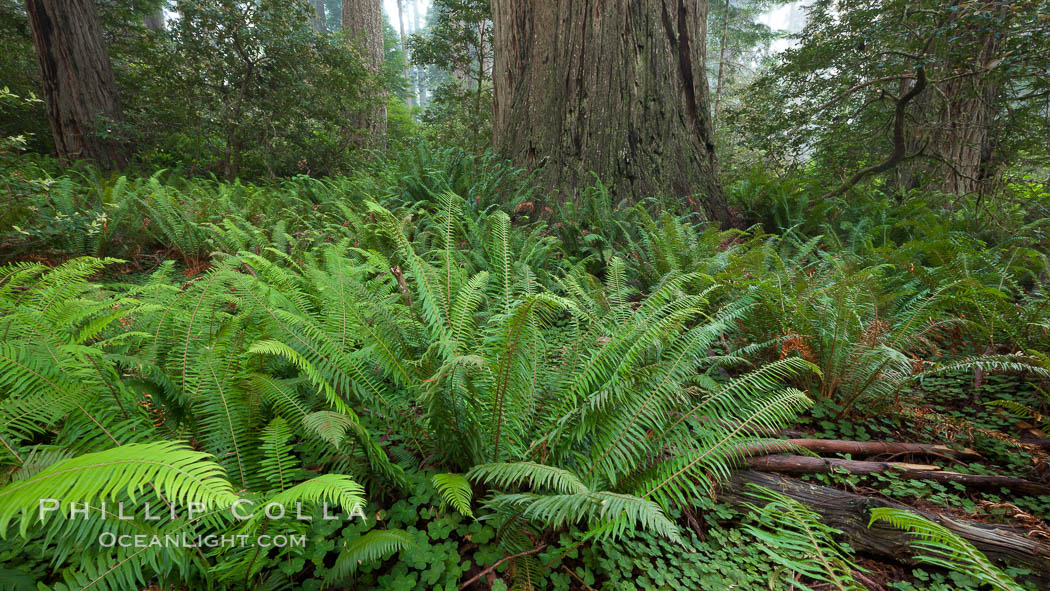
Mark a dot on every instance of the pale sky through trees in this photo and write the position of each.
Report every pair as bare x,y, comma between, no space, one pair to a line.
390,7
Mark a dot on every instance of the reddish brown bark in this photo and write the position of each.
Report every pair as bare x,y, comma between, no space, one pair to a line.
616,88
363,24
77,79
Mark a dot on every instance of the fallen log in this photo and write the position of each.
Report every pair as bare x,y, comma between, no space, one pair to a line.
849,513
844,446
809,465
875,448
878,448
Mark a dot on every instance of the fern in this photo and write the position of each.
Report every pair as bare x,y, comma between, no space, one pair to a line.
939,546
182,475
796,539
455,492
278,466
369,547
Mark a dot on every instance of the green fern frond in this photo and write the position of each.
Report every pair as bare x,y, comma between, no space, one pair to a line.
182,475
278,466
535,476
455,492
367,548
939,546
794,537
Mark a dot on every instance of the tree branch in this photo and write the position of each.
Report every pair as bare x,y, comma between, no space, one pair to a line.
471,580
899,141
857,87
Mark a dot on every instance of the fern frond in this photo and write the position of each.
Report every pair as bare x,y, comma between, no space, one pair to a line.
794,537
535,476
182,475
368,547
455,492
941,547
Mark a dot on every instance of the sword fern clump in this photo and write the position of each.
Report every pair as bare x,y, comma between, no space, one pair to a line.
547,396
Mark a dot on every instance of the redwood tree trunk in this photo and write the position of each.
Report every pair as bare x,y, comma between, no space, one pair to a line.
618,88
363,23
79,88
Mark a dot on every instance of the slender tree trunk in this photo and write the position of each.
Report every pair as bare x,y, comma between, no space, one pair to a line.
155,20
363,24
418,82
618,88
404,51
78,82
319,21
721,60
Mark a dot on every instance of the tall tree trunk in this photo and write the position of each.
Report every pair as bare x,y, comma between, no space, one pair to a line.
957,124
404,52
419,82
956,138
154,21
722,60
618,88
319,21
363,23
78,82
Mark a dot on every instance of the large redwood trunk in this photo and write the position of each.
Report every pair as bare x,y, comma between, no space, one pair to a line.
77,79
363,23
618,88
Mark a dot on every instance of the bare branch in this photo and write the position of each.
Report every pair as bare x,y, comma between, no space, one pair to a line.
899,144
850,91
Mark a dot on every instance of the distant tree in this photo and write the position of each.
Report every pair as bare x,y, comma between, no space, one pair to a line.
78,83
910,94
363,26
154,19
735,39
404,47
320,20
457,50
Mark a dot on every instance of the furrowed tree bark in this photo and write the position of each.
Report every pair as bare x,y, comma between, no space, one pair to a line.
788,464
616,88
363,23
78,83
849,513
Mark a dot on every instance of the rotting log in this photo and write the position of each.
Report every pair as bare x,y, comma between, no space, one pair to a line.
850,513
877,448
789,464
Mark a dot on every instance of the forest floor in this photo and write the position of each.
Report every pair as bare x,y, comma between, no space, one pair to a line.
945,410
